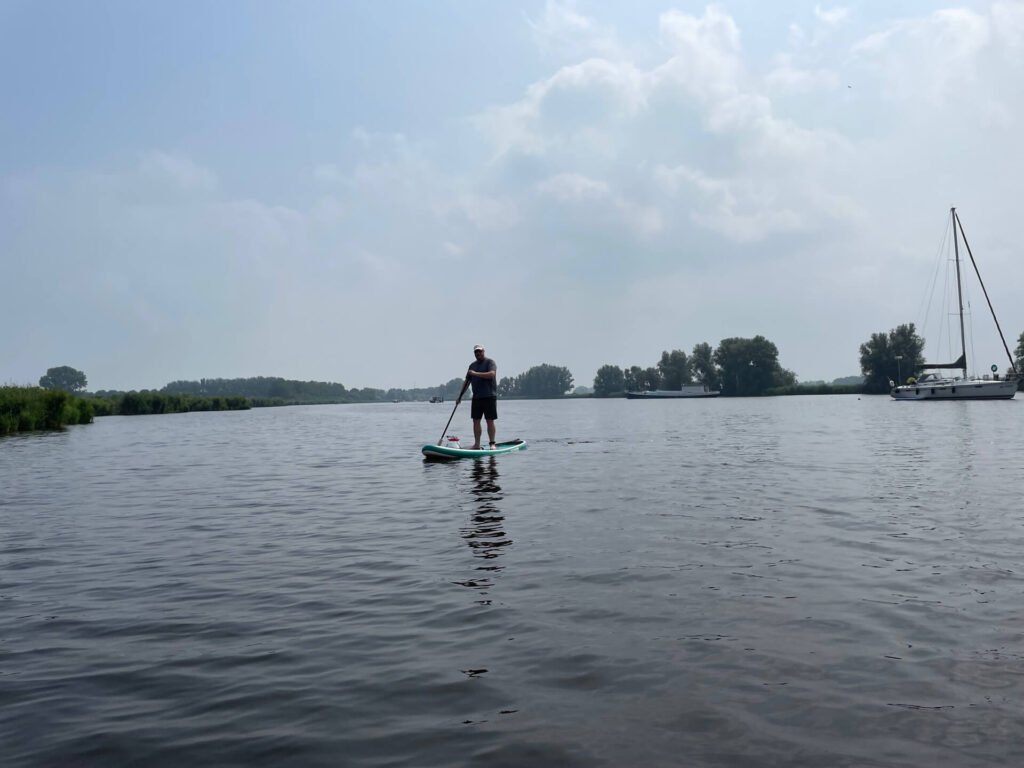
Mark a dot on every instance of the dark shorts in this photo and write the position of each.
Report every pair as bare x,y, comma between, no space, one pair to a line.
484,407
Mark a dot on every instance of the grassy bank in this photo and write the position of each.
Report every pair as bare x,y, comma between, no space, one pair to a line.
26,408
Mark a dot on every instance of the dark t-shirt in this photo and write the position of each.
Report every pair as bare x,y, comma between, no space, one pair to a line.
484,387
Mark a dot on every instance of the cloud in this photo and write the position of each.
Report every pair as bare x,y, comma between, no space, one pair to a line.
704,78
786,77
453,249
600,201
569,187
1008,22
480,210
734,208
930,59
177,170
564,32
832,17
327,172
705,54
560,108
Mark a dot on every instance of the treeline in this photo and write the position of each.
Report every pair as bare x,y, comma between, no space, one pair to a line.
267,388
27,408
540,381
737,367
274,390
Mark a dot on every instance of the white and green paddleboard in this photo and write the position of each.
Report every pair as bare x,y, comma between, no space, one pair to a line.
432,452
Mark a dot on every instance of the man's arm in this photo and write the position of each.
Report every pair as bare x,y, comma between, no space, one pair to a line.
490,373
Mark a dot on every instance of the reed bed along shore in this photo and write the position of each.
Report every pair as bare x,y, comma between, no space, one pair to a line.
26,408
23,409
146,402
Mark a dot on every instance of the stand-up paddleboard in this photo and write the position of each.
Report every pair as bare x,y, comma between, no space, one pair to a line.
451,451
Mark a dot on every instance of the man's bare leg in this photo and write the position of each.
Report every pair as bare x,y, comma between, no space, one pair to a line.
476,434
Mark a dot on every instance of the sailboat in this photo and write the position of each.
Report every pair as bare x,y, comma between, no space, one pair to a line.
937,386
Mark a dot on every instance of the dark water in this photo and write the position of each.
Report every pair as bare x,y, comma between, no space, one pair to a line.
826,581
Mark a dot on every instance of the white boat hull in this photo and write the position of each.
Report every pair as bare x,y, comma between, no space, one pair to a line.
957,389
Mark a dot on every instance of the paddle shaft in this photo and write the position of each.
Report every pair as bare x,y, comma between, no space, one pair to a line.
457,401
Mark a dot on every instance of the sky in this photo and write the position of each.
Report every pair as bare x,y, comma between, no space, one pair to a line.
361,191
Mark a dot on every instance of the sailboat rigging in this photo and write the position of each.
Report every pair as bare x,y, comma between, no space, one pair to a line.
933,386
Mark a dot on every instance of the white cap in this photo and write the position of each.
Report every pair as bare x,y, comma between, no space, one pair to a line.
478,346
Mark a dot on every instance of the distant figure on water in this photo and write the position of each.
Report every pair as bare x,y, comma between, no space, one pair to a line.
483,375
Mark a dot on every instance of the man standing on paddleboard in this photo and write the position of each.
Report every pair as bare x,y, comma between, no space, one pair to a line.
483,375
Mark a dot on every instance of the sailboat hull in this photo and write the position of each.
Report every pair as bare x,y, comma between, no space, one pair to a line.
958,389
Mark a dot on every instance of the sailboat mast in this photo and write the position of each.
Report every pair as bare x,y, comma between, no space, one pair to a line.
991,309
959,290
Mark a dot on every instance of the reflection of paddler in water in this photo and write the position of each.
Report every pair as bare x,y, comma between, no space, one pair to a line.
485,534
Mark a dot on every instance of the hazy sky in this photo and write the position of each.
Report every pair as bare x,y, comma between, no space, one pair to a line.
361,191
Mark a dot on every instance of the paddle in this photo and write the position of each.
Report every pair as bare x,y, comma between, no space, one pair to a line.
457,401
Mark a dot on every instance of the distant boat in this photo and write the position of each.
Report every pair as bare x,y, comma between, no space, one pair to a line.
437,399
687,390
934,386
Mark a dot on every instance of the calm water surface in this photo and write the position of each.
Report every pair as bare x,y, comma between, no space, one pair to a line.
800,581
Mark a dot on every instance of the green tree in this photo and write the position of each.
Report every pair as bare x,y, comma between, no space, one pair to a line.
750,366
878,357
674,368
639,379
703,365
610,380
783,377
1018,354
64,378
630,376
543,381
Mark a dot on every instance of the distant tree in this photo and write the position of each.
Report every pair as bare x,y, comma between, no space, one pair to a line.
878,356
506,386
543,381
1018,362
282,388
703,366
630,377
783,377
639,379
367,395
452,388
674,369
610,380
750,366
64,378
